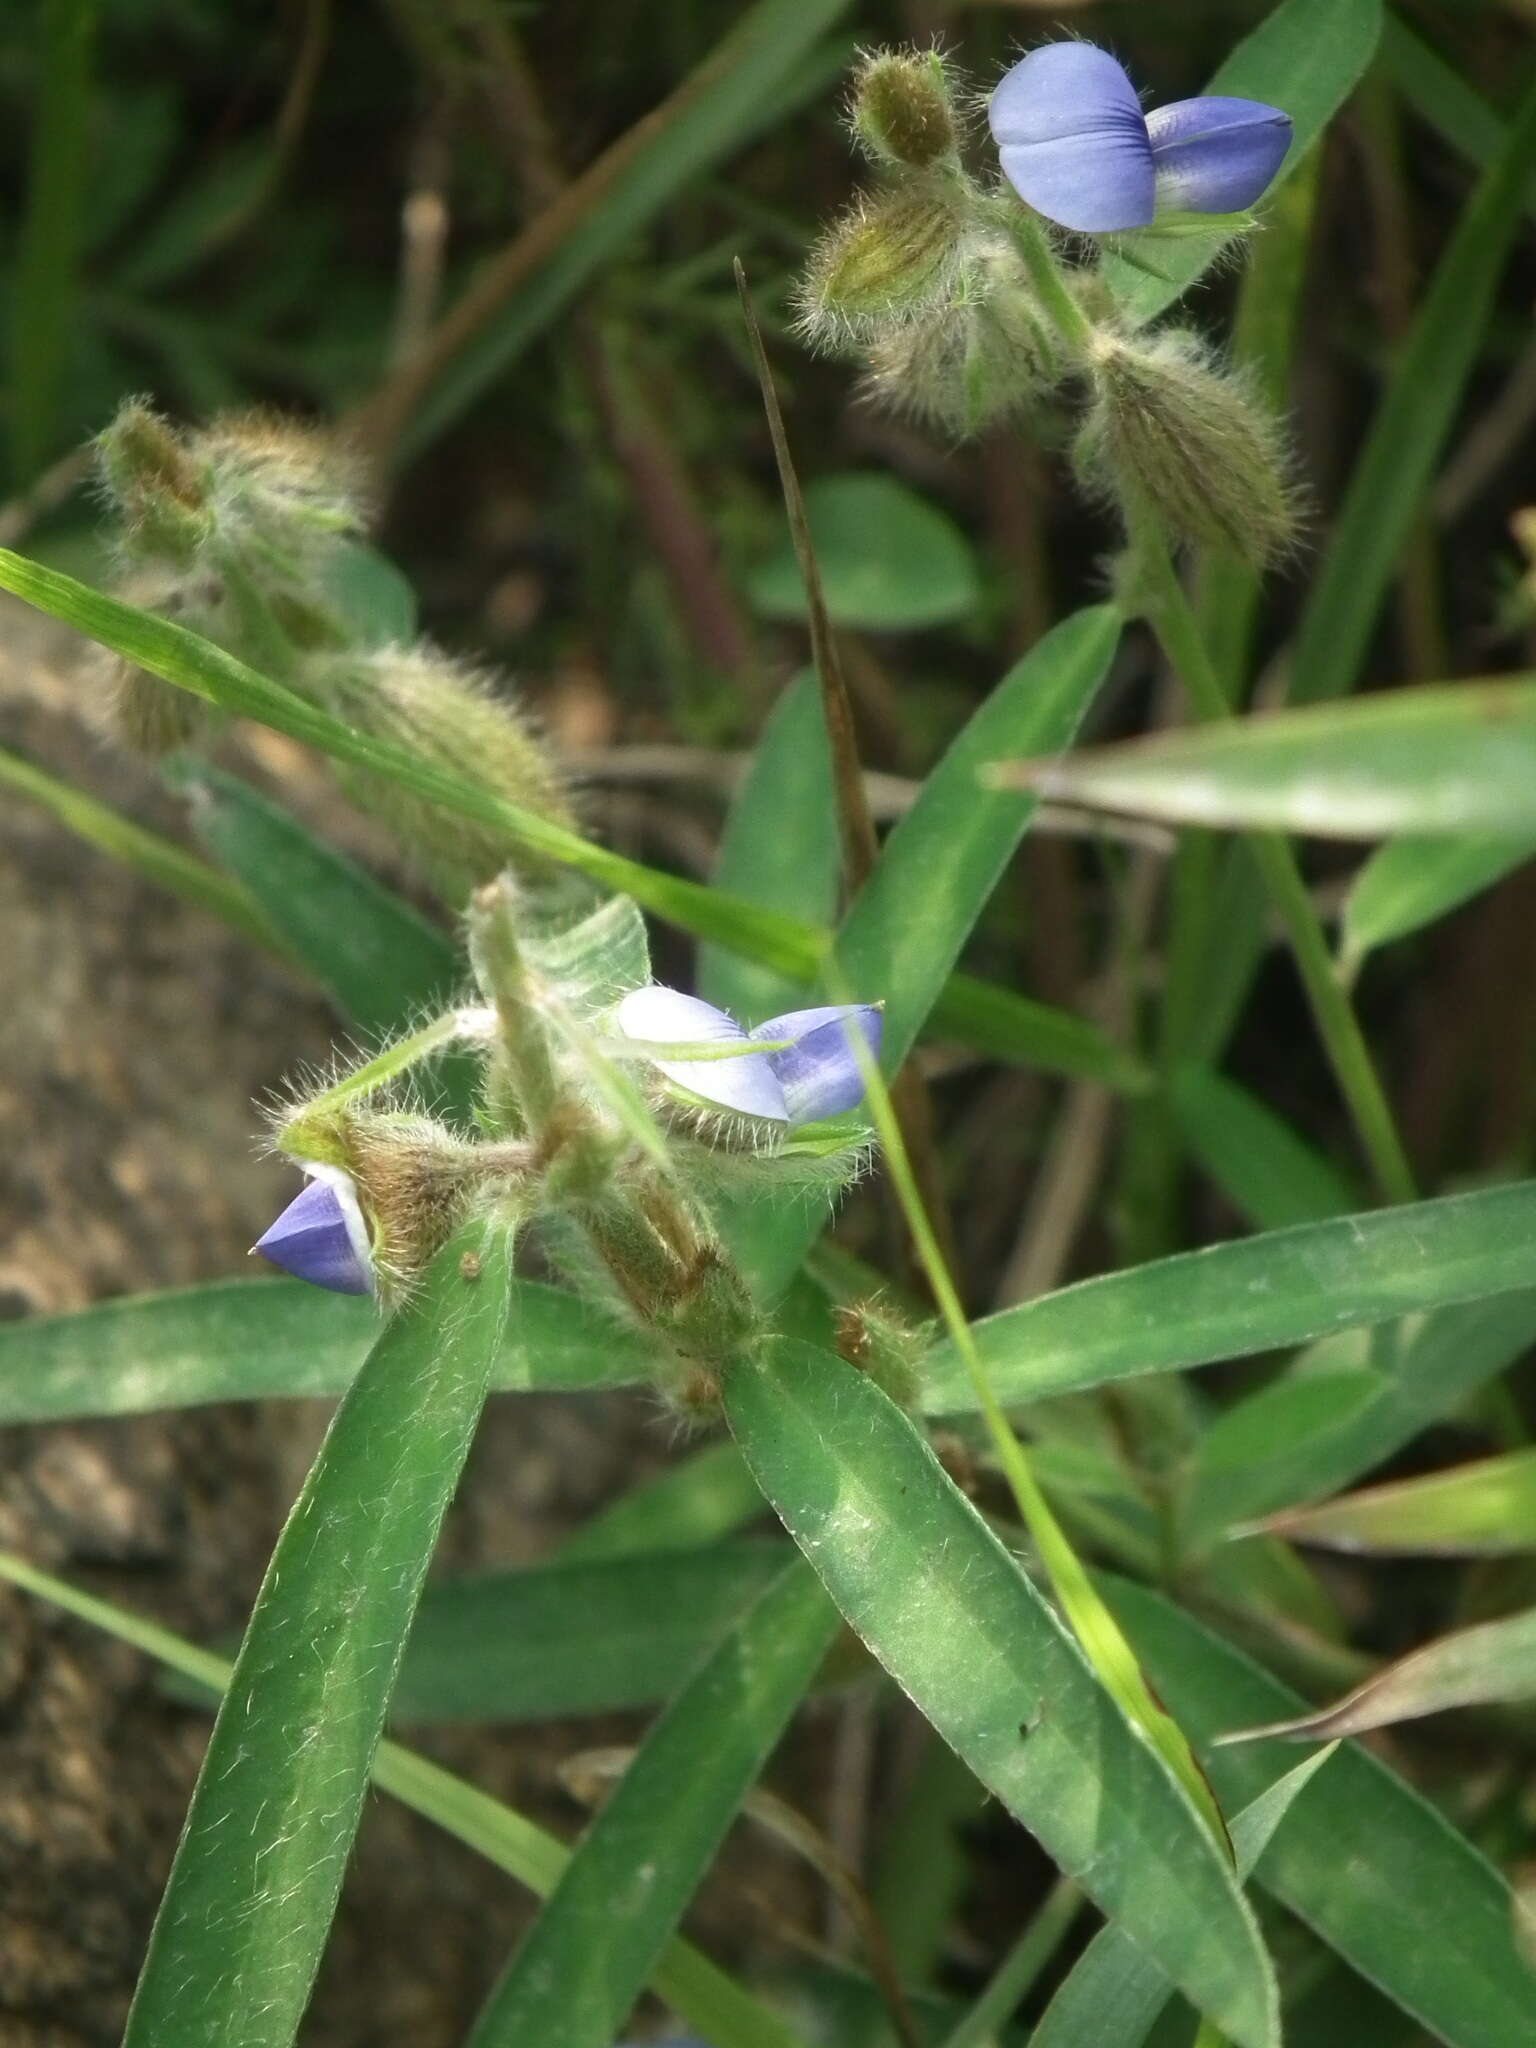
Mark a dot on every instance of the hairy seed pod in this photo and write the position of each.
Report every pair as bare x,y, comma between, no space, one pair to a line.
1168,429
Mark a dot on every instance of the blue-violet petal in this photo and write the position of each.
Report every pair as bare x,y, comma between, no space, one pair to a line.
665,1016
1216,155
819,1072
1073,141
320,1237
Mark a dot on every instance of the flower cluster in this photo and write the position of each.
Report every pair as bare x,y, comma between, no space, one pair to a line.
952,292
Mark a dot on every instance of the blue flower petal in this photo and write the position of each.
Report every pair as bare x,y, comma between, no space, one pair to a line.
1073,141
667,1017
1216,155
819,1072
320,1237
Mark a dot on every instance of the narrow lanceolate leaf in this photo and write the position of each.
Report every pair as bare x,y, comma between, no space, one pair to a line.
1411,426
1268,1169
1412,882
684,1978
1256,1294
1346,1405
242,1340
575,1638
1442,1942
587,1957
1306,56
1440,95
1113,1993
246,1912
1478,1510
1471,1668
937,871
377,957
779,848
157,859
965,1634
994,1019
707,1494
1449,758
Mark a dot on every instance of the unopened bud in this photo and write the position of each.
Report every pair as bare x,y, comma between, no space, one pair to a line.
157,483
901,108
894,256
455,718
871,1336
1169,430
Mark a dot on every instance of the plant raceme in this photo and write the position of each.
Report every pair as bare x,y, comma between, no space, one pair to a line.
953,293
1075,145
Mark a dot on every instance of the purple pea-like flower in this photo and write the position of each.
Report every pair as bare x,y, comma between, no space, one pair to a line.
814,1074
1075,144
321,1236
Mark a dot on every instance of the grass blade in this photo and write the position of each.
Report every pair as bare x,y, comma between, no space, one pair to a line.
158,860
1445,758
949,1613
1268,1169
1256,1294
706,1495
997,1021
249,1903
1443,1946
584,1962
686,1979
1484,1509
1439,94
1411,882
243,1340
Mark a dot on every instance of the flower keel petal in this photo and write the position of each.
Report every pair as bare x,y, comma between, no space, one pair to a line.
1216,155
320,1237
820,1072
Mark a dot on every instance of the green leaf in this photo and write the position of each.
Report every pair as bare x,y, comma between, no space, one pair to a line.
937,871
1440,95
1478,1510
1256,1294
706,1495
1273,1175
1372,1869
890,561
960,1627
1412,882
1344,1406
684,1978
1411,425
1113,1993
377,601
1472,1667
574,1638
249,1902
1306,56
779,848
44,283
243,1340
584,1962
724,104
380,961
157,859
1456,757
991,1018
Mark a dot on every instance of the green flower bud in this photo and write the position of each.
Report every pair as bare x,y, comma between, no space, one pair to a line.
901,108
871,1336
1169,430
157,484
454,717
893,257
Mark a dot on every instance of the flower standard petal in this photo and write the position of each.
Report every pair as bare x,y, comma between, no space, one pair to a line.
321,1236
1073,141
819,1071
664,1016
1216,155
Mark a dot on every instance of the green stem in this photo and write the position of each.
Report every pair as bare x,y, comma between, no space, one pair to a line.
1018,1970
1172,618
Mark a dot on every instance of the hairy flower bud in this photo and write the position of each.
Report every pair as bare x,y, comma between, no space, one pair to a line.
454,717
901,108
871,1336
893,257
159,488
979,357
1169,430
